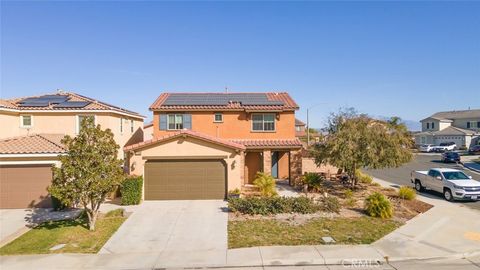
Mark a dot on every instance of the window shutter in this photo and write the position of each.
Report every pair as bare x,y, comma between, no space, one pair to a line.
187,121
163,122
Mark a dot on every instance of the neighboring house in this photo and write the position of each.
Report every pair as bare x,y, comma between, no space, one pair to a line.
148,131
32,128
207,143
300,129
460,127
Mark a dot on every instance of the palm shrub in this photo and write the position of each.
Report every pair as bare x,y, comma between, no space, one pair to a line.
363,177
313,181
407,193
377,205
266,184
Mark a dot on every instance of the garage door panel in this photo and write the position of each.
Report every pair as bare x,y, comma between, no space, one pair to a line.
24,186
185,180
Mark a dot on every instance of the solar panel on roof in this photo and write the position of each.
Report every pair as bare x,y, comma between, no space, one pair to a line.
52,99
220,99
72,104
34,104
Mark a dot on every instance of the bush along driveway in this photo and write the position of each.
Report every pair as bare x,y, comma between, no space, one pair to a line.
329,213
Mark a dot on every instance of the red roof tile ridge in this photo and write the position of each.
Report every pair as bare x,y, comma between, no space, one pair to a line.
58,144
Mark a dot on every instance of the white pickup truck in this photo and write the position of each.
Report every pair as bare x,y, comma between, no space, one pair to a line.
453,184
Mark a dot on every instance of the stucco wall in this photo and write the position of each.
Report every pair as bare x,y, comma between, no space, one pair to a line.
235,125
462,123
308,165
66,123
190,148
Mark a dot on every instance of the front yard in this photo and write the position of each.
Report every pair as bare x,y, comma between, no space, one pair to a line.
70,236
334,210
362,230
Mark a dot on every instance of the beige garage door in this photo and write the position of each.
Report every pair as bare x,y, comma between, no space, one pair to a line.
185,180
23,186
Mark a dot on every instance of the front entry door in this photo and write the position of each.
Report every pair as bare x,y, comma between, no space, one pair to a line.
275,165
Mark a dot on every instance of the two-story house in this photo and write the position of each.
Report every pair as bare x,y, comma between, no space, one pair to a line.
30,140
300,131
205,144
460,127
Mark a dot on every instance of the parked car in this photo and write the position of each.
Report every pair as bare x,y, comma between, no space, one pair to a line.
450,157
447,146
427,148
453,184
474,150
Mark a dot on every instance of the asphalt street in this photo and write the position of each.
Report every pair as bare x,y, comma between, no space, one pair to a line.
421,162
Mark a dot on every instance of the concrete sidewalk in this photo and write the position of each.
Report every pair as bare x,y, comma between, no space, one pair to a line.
449,230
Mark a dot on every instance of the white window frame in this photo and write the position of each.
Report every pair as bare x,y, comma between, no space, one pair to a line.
121,125
77,122
263,122
21,121
175,121
215,118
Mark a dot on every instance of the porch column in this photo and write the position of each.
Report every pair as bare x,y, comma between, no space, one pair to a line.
267,161
243,168
295,167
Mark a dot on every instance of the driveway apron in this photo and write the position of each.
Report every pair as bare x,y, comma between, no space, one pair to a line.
172,226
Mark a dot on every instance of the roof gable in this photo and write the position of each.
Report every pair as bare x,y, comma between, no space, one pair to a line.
185,133
62,101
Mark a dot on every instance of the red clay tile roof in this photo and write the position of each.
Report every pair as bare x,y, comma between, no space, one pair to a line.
33,144
269,143
298,122
93,105
187,133
280,101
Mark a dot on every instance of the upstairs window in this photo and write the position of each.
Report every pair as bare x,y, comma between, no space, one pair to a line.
428,125
121,125
26,121
131,126
175,121
218,118
433,125
80,118
263,122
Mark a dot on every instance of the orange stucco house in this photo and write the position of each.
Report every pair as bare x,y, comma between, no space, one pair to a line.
204,144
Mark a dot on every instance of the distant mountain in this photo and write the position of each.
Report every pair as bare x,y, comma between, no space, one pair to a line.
411,124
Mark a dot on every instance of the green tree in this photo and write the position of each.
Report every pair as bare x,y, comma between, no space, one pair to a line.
90,170
359,141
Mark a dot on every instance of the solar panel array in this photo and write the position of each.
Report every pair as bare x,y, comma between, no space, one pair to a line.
72,104
59,101
219,99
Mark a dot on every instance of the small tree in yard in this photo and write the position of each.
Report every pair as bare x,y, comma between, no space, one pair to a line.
90,171
358,141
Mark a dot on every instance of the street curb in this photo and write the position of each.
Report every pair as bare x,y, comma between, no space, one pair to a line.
469,168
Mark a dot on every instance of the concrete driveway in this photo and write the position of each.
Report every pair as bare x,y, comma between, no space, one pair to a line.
172,226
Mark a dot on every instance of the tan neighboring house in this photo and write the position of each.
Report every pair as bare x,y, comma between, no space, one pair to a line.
148,131
32,128
205,144
460,127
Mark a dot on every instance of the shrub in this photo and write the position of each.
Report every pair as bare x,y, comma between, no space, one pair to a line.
131,190
57,204
115,213
272,205
363,178
407,193
313,181
266,184
378,205
331,204
348,194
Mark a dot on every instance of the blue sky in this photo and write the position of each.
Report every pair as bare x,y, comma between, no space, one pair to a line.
407,59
